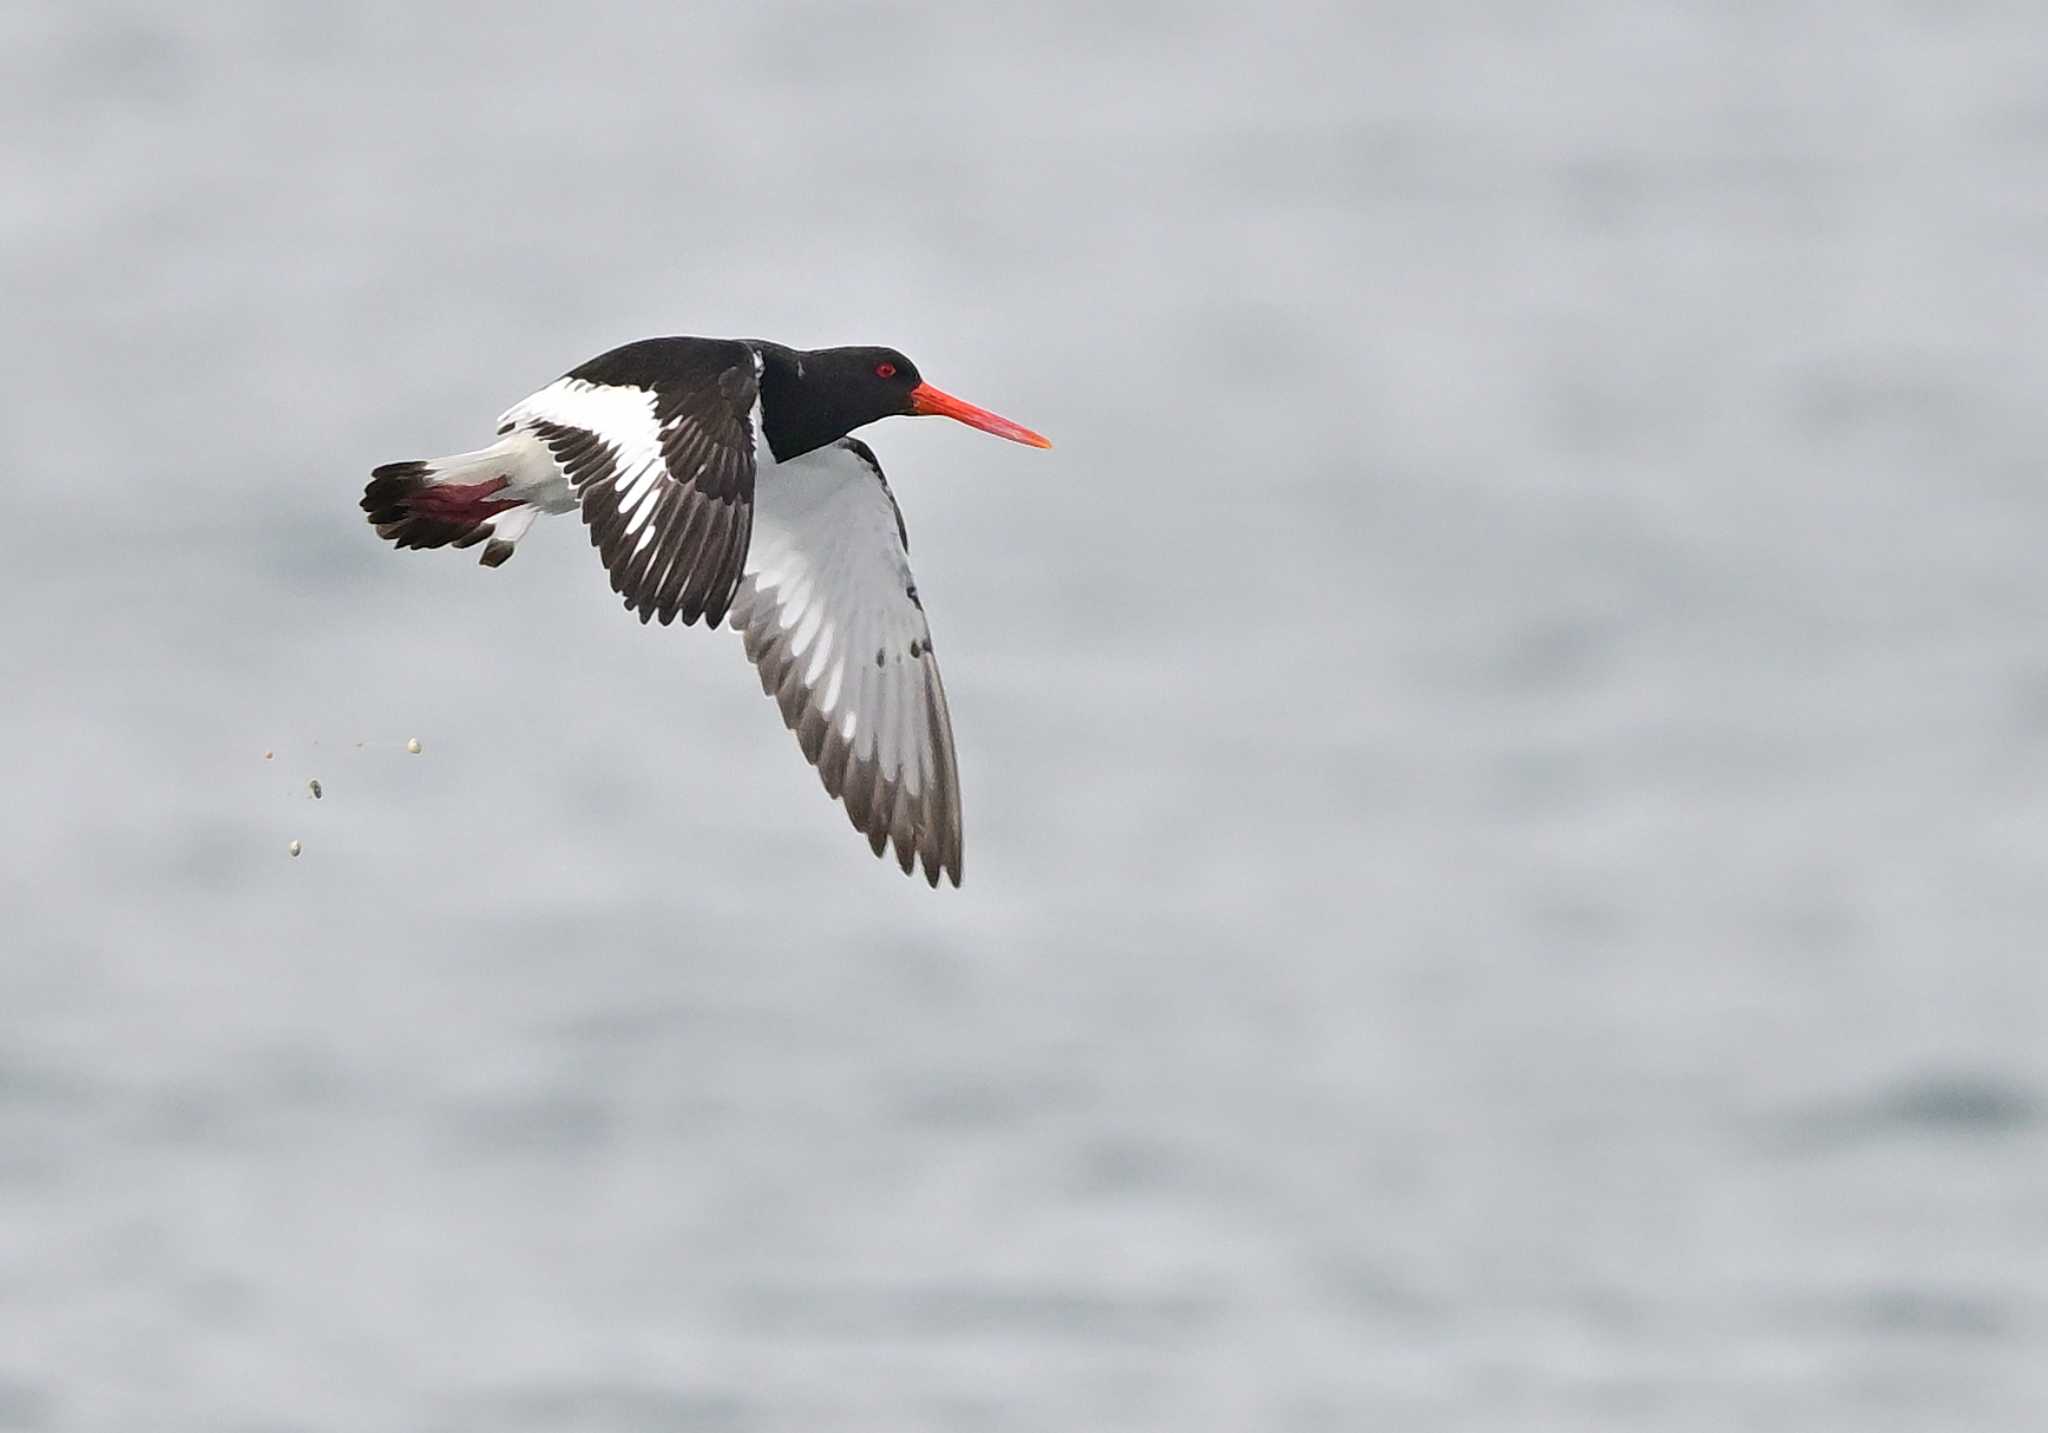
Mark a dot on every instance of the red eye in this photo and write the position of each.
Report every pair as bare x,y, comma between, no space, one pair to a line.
885,370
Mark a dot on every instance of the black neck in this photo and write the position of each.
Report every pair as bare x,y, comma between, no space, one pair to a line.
795,416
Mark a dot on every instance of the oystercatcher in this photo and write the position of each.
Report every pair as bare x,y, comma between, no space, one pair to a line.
718,479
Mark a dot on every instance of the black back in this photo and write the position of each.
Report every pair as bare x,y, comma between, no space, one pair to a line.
703,391
809,396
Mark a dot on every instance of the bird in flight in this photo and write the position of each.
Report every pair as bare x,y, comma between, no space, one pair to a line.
719,481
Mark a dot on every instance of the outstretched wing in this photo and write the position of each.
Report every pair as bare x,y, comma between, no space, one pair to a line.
656,441
831,618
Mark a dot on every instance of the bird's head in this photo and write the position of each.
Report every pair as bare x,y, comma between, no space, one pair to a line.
864,384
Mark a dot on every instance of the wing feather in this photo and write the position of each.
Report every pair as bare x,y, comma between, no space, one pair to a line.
657,442
830,619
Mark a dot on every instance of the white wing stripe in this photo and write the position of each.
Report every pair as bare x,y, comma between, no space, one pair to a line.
822,655
830,699
674,545
807,629
623,417
796,595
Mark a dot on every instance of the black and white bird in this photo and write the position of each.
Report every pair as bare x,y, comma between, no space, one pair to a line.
718,480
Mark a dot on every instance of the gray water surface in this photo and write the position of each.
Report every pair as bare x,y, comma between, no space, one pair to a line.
1504,749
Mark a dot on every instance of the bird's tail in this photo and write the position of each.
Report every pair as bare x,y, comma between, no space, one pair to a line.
457,501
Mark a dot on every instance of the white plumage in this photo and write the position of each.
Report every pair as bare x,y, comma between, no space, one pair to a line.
667,449
829,611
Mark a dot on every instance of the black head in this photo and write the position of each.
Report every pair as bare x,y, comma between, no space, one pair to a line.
811,397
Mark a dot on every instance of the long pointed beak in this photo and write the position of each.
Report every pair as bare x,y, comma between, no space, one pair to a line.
927,400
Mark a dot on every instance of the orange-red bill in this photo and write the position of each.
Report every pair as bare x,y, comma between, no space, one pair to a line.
925,399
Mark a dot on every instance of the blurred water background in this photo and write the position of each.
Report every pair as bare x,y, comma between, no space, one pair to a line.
1504,749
